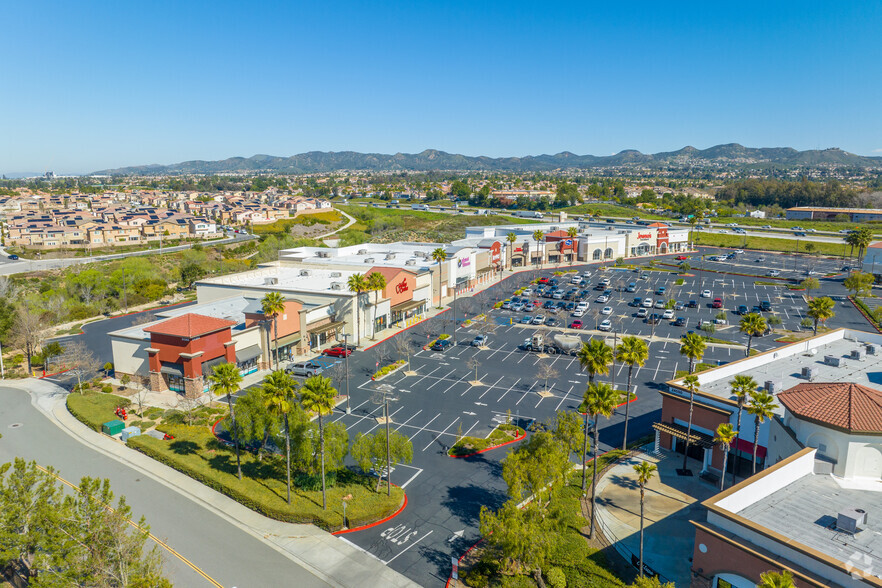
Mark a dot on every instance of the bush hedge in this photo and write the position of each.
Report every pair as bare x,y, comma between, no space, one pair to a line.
388,369
95,408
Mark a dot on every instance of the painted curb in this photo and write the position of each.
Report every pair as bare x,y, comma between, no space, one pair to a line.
486,449
375,523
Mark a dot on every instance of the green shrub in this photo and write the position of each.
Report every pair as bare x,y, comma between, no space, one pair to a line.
153,413
106,388
556,578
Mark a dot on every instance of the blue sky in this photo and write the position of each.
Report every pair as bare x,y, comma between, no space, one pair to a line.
91,85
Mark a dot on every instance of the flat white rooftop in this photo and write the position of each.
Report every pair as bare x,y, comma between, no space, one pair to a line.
279,277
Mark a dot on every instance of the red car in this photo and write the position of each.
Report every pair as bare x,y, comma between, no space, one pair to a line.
718,303
576,325
543,280
337,352
681,258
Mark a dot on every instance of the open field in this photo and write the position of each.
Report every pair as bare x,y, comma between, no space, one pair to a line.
767,243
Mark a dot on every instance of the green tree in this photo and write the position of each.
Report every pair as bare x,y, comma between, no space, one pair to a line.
752,325
225,380
691,383
761,407
253,420
693,347
810,284
460,189
776,580
190,272
644,471
632,351
859,283
511,238
567,428
599,400
726,433
537,469
439,255
377,283
50,350
279,391
358,284
820,310
743,388
538,235
369,451
273,305
317,396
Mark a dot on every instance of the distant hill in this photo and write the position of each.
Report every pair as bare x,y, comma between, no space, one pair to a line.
729,155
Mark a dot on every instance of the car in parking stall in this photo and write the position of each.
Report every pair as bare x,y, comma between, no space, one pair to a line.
571,306
653,318
706,294
527,292
741,310
529,307
606,310
518,307
526,320
605,282
551,322
647,303
660,291
558,295
548,304
337,352
717,303
603,298
681,321
765,306
642,313
579,312
605,325
679,306
539,319
506,305
636,302
479,341
632,287
692,304
659,303
668,314
576,325
305,368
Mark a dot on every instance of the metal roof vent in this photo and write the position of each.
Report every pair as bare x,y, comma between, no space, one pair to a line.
390,256
772,387
323,254
834,361
410,262
305,272
270,281
872,349
369,260
362,252
336,274
858,354
336,285
809,373
849,519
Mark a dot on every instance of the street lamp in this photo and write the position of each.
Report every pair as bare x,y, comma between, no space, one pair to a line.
346,353
455,286
383,394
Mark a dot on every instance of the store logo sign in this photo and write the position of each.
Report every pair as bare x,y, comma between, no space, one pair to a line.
401,287
463,262
644,235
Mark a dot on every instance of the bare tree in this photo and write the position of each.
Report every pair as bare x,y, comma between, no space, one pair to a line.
188,403
144,318
484,326
79,361
8,288
546,372
474,364
427,329
140,400
28,329
402,346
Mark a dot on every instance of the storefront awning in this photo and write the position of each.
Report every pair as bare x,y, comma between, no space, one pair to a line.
172,369
326,327
679,431
409,305
208,366
289,339
247,354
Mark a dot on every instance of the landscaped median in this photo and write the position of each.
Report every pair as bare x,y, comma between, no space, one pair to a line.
388,369
501,435
433,341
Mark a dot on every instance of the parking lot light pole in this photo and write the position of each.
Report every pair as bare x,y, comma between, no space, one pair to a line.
455,284
346,353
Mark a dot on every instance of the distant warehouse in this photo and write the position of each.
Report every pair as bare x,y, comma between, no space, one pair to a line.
855,215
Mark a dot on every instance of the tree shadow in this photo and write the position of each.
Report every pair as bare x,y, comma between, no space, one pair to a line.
438,562
494,468
183,447
464,502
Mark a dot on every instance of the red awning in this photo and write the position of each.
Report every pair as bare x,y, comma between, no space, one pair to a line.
746,447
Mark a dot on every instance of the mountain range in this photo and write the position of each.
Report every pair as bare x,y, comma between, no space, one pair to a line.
720,156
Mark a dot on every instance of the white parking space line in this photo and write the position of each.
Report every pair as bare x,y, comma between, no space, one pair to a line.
493,385
440,379
408,420
464,376
369,415
413,477
506,392
387,562
391,417
556,408
530,389
354,408
466,434
423,428
438,436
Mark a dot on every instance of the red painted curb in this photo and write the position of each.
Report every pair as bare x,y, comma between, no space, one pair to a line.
469,550
864,314
374,524
45,375
486,449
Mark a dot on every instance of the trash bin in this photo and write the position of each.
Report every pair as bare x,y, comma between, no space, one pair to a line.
113,428
130,432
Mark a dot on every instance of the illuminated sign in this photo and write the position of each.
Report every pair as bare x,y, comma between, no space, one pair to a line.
644,235
401,286
463,262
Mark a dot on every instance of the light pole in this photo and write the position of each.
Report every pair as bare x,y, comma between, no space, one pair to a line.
383,393
455,286
346,353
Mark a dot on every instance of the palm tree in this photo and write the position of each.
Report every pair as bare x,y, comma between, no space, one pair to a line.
358,284
279,389
225,379
539,235
317,395
691,383
632,351
693,347
861,239
571,233
511,238
725,434
376,282
644,471
752,325
762,404
776,580
595,357
440,255
600,400
273,304
820,310
742,388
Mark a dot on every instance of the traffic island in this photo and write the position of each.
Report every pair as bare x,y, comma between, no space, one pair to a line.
498,437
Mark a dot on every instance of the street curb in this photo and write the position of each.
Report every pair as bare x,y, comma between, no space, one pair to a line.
486,449
864,314
375,523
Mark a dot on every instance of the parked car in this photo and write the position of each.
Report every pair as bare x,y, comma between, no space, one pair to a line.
337,352
632,287
605,325
692,304
668,314
681,258
305,368
637,301
603,298
647,303
660,291
659,303
506,305
442,345
518,307
681,321
479,341
538,319
576,325
642,313
579,312
604,282
527,292
654,318
773,273
13,257
742,309
551,322
765,306
717,303
607,310
526,320
679,306
706,294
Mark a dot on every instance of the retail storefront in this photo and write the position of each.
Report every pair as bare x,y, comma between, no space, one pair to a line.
327,333
405,313
246,359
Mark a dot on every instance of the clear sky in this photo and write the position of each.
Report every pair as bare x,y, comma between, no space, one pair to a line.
92,85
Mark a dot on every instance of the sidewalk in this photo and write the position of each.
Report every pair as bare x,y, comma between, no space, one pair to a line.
336,562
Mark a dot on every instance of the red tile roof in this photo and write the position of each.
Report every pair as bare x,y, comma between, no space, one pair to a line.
388,272
846,406
190,325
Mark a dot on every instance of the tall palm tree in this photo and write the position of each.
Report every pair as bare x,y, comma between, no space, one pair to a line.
644,471
273,304
691,383
633,352
358,284
742,388
317,395
725,435
693,347
571,233
440,255
595,357
752,325
820,310
600,400
279,388
762,406
539,235
225,380
511,238
377,283
776,580
861,239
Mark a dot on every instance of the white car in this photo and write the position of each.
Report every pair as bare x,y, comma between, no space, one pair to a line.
527,292
668,314
605,326
603,298
583,305
739,251
604,282
579,312
642,313
538,319
647,303
557,295
774,273
706,294
811,230
606,310
517,307
767,226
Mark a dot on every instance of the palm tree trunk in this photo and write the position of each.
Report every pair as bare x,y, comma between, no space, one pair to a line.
723,476
585,455
357,319
749,342
593,480
276,334
755,441
641,529
322,439
288,456
735,466
627,409
816,327
235,434
688,429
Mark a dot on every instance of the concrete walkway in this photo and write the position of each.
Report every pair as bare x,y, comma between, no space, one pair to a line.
671,502
328,558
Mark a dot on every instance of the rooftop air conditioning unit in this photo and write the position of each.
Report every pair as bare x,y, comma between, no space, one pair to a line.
849,519
834,361
772,387
336,285
390,256
362,251
270,281
858,354
323,254
336,274
872,349
369,260
809,373
305,272
410,262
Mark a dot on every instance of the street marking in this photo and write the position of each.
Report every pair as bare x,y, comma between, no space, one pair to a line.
441,433
387,562
526,393
507,391
408,420
421,429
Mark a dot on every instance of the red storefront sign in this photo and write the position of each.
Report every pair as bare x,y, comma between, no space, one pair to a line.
644,235
401,286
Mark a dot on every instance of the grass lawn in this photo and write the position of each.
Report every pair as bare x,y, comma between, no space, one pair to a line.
789,224
95,408
195,452
767,243
499,435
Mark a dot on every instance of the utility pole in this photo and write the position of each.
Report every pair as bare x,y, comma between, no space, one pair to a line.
125,296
